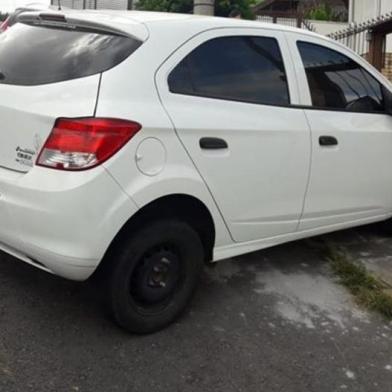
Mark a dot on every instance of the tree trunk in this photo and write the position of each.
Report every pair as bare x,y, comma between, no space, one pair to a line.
204,7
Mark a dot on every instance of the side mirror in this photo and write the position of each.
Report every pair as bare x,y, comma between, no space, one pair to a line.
387,99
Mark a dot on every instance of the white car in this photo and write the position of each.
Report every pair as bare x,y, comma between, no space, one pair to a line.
140,146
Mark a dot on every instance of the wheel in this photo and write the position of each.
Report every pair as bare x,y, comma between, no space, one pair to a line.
154,276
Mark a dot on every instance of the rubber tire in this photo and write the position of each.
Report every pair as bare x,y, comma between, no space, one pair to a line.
191,254
385,226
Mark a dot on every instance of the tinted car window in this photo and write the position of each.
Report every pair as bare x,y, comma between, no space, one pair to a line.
337,82
32,55
242,68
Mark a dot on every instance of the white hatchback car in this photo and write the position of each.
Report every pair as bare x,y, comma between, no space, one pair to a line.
148,144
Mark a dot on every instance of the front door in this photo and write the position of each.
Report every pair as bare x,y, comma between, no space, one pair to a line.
351,176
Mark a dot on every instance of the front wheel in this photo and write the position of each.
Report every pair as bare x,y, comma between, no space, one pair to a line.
154,276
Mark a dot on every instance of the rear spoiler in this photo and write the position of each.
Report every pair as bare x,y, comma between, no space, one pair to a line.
58,20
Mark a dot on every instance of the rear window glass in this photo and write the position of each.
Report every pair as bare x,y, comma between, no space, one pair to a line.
33,55
239,68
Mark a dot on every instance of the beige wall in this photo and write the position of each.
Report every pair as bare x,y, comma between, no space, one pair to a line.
325,28
362,10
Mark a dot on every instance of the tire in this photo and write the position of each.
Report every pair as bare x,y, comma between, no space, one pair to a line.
385,226
154,275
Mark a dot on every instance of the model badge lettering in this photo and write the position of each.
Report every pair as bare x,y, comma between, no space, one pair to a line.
24,156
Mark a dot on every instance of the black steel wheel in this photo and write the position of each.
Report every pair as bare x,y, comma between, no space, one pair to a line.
154,276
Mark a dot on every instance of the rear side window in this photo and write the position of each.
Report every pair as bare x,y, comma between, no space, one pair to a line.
239,68
33,55
337,82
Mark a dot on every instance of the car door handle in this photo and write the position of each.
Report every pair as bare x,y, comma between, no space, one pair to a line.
328,141
212,143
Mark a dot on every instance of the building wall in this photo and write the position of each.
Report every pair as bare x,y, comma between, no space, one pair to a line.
387,70
325,28
362,10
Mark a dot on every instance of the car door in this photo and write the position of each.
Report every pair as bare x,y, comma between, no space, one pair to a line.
228,93
344,99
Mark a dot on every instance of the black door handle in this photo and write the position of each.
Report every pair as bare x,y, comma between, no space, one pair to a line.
328,141
212,143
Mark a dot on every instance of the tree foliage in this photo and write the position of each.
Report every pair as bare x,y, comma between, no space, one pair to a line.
222,7
182,6
322,10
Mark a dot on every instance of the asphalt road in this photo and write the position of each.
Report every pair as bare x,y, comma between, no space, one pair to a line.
270,321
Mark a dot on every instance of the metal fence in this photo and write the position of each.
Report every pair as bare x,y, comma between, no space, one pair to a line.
356,37
359,35
293,22
95,4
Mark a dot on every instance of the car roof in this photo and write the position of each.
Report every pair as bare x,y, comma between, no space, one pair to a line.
140,23
119,19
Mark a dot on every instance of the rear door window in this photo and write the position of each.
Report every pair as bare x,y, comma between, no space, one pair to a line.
239,68
33,55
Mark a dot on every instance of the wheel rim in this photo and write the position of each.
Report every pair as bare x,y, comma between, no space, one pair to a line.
156,278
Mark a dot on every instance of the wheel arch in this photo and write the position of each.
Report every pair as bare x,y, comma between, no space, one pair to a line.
185,207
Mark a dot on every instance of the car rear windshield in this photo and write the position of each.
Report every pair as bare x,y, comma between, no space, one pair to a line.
33,55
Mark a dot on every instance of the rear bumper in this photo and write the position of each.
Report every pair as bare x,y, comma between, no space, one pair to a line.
61,265
61,222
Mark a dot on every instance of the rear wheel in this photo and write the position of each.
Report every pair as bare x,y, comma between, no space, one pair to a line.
154,276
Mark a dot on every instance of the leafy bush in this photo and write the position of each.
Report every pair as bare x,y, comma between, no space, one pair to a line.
320,12
182,6
225,7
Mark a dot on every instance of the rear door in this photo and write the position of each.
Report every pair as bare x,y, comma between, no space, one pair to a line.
351,176
229,94
48,72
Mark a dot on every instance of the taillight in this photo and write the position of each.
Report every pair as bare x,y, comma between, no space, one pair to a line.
4,26
82,143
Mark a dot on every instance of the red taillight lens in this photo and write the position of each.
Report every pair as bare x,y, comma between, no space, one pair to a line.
79,144
4,26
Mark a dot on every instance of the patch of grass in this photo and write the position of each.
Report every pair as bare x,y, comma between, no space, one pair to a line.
367,289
